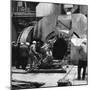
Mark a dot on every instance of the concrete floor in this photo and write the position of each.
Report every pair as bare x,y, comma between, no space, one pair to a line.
50,79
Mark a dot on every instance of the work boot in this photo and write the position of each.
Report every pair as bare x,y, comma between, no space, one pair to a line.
79,78
83,78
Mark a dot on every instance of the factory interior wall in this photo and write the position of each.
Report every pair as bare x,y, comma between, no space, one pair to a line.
49,17
46,9
47,25
13,33
79,24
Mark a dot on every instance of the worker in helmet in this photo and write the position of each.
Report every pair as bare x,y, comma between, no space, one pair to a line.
82,63
33,55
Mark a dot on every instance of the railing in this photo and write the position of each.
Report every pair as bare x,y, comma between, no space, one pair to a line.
24,12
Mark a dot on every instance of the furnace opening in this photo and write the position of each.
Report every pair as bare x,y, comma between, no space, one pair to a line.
60,48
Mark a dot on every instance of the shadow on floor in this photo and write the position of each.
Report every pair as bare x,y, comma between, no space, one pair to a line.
16,84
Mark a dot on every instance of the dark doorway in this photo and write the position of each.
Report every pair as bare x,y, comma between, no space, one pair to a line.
59,48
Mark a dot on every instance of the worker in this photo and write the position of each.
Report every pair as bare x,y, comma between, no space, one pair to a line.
82,63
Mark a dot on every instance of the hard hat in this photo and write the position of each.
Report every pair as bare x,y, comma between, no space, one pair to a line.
27,43
22,43
34,42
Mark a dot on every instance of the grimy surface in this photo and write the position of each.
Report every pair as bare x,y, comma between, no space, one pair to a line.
50,79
